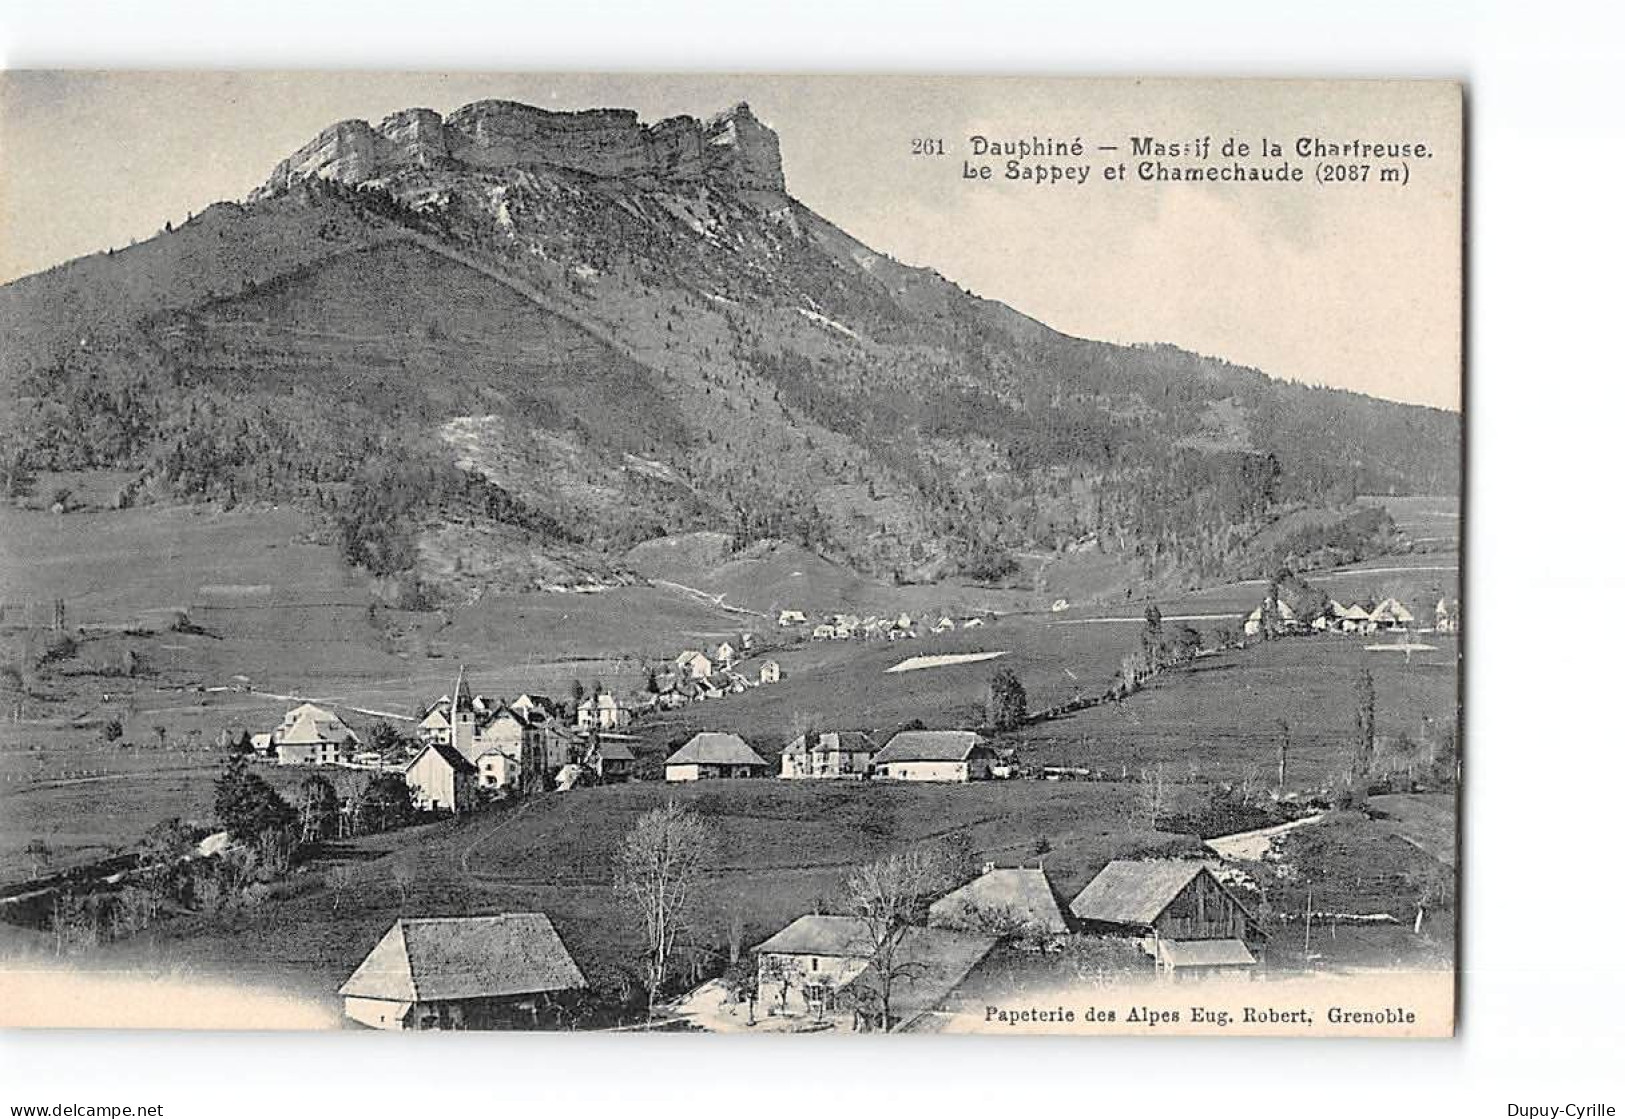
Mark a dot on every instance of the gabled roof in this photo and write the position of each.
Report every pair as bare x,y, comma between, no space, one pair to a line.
1392,609
448,754
930,746
1134,891
316,727
424,959
999,898
690,655
1205,953
831,742
711,748
822,934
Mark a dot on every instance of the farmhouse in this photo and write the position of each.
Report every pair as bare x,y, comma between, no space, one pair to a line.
1391,614
693,664
1004,902
802,966
844,753
769,673
601,712
1284,614
725,654
792,618
710,756
1161,901
454,973
1447,616
311,735
1357,619
935,755
823,632
441,779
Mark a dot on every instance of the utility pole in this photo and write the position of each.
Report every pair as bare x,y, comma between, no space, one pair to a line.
1280,760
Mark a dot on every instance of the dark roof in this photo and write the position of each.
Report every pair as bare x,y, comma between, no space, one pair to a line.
453,757
422,959
1134,892
711,748
1000,898
831,742
930,746
612,751
819,934
1205,953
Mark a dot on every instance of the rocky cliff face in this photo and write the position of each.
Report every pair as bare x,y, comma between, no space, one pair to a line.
732,148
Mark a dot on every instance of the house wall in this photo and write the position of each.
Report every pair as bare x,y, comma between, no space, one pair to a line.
773,967
379,1014
927,771
708,772
436,786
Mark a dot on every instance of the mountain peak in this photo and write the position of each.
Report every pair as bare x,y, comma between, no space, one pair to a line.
732,148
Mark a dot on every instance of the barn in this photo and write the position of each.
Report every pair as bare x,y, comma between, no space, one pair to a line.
1175,899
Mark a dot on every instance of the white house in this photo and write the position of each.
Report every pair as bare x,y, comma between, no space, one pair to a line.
800,968
769,673
725,655
935,755
823,632
694,664
844,753
792,618
311,735
441,779
430,973
1447,616
1391,614
945,625
601,712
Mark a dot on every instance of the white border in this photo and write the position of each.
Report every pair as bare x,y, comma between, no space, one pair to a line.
1544,983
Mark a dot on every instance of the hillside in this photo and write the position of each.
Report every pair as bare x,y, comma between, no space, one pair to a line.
508,345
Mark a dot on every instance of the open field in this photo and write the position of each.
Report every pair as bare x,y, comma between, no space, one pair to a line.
847,685
784,847
1222,715
123,794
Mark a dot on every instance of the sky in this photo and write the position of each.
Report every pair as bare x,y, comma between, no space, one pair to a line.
1356,286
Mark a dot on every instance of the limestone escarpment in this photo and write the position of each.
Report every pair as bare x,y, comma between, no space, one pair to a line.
733,148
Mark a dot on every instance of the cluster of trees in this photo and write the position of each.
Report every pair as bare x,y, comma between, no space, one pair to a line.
1161,648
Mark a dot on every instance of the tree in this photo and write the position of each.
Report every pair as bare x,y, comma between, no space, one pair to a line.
386,739
318,809
1151,635
887,896
657,870
1365,725
166,843
386,802
1007,700
246,805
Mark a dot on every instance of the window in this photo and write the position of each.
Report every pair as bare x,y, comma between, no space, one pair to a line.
815,963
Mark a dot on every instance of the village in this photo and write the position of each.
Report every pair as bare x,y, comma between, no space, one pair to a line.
924,934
